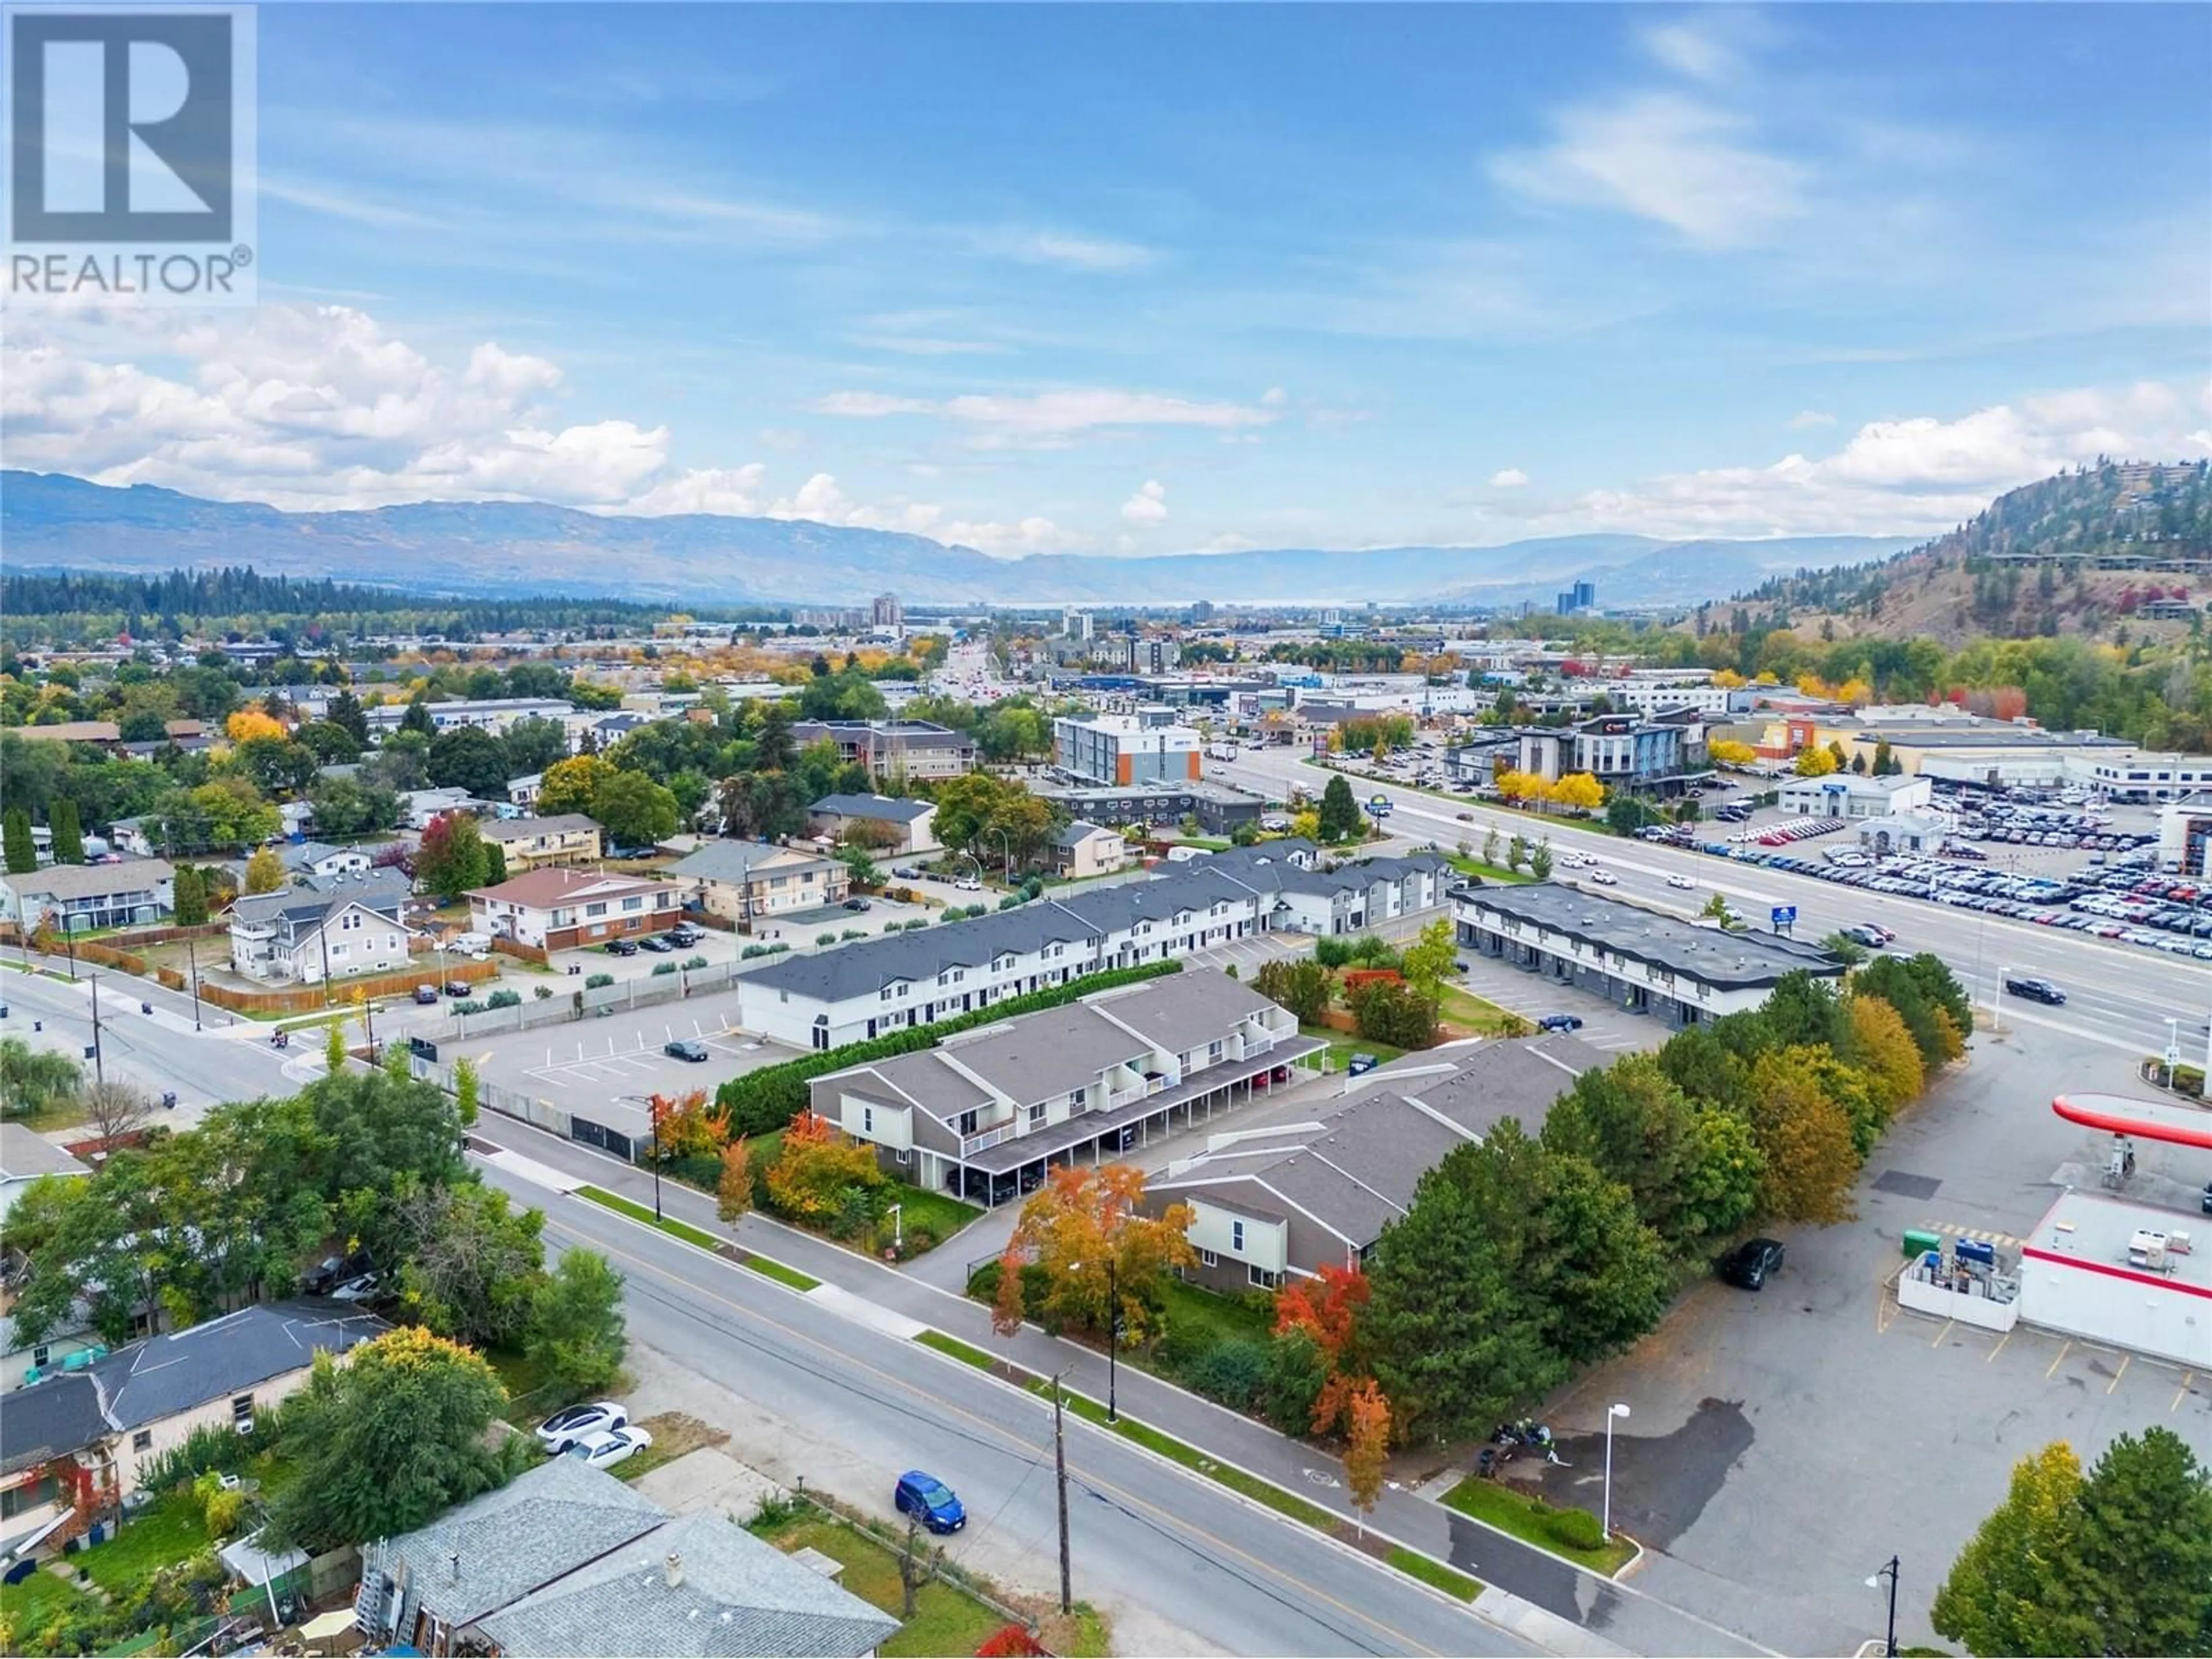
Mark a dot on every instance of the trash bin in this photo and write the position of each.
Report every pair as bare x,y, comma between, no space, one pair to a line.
1919,1241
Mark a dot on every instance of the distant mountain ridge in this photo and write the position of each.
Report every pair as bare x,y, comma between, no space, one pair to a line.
54,521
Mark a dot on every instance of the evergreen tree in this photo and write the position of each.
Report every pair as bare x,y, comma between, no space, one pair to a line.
417,717
191,902
21,852
68,830
1340,812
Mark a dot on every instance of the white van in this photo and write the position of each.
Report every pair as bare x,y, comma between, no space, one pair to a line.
472,944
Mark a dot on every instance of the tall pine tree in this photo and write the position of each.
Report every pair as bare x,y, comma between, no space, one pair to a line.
68,830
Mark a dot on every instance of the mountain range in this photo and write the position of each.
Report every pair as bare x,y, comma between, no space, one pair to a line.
51,521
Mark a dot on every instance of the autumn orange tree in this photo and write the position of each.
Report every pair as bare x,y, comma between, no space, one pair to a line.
1083,1217
733,1191
1327,1308
1367,1445
686,1126
823,1177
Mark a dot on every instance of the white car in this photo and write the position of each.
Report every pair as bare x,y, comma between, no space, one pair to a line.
609,1447
968,885
1602,878
564,1428
1682,882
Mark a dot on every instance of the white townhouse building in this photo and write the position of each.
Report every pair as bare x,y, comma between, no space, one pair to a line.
858,991
985,1113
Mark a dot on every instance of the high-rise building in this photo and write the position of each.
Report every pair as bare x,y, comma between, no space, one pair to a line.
1076,624
887,612
1581,596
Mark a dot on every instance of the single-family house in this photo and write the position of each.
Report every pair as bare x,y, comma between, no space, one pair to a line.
567,1559
26,1157
78,897
1283,1201
324,927
1080,849
119,1415
885,824
746,880
523,791
529,844
319,858
419,807
558,908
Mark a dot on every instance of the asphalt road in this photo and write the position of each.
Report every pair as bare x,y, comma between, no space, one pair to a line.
1233,1574
2117,995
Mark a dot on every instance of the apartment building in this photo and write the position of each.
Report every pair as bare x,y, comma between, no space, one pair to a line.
76,898
894,749
1126,749
492,715
861,990
558,908
985,1113
530,843
746,880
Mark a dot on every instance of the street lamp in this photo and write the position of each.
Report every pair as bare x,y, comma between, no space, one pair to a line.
1611,1412
1112,1332
652,1121
1887,1571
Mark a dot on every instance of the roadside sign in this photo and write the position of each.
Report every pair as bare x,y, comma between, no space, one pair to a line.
1784,915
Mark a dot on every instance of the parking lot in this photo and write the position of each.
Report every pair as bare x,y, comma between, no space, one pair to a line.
1816,1409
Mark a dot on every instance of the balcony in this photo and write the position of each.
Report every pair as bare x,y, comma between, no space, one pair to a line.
972,1145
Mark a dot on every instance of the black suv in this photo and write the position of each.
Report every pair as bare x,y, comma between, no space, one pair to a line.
2035,990
1748,1264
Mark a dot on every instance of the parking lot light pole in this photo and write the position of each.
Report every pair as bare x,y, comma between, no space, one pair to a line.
1613,1411
1889,1571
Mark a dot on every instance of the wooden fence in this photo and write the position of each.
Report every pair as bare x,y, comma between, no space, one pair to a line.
515,947
306,998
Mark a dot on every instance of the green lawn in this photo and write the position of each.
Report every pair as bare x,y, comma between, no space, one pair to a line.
166,1534
1434,1572
529,1393
942,1213
1497,872
696,1237
1523,1516
1476,1014
30,1606
946,1620
1191,1307
1342,1045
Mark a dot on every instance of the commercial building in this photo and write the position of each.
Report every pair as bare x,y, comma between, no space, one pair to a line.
2128,1275
858,991
889,824
558,908
1946,744
894,749
530,843
1907,832
886,612
744,881
2185,835
2145,776
1847,795
1285,1201
1646,697
74,898
1127,750
1640,960
322,927
492,715
1621,751
1218,808
986,1112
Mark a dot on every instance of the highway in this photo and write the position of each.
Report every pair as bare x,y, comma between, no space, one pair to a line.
1145,1532
2117,995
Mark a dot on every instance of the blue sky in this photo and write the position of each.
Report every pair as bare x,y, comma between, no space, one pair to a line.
1135,279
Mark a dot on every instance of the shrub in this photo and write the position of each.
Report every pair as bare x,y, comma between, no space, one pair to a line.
471,1006
919,921
1578,1530
852,933
825,938
504,999
217,1447
2189,1080
1297,1371
693,962
1233,1371
894,927
543,992
592,981
752,951
660,968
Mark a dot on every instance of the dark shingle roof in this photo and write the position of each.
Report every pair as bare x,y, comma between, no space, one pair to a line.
165,1375
49,1421
888,808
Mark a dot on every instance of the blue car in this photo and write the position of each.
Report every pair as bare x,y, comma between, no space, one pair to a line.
926,1496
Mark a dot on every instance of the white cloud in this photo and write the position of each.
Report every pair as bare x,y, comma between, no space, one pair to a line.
1149,506
1003,421
1274,398
1810,417
1079,252
1708,47
1512,477
1907,477
870,405
731,490
1664,157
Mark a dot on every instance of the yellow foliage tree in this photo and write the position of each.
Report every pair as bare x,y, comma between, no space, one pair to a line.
1883,1047
1727,678
248,723
264,871
1804,1136
1727,751
1084,1216
570,785
817,1167
1814,762
1855,692
1366,1447
1579,789
1520,785
733,1191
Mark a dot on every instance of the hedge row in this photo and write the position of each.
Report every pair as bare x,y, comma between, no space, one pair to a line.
770,1098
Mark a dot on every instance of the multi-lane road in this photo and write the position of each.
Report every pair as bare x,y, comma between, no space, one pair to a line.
2117,994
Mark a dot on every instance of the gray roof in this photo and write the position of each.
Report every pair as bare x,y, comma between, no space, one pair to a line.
736,861
70,881
1498,1080
1079,830
921,1079
1184,1010
25,1156
1738,960
308,900
162,1376
732,1594
521,829
49,1421
1046,1053
546,1521
888,808
301,854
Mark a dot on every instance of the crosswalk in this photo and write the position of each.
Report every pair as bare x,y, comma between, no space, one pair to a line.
2004,1241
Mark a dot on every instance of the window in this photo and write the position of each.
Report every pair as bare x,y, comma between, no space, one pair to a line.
1262,1279
1207,1259
595,909
39,1355
867,1120
1037,1115
634,903
967,1124
241,1408
1078,1096
142,1441
1236,1234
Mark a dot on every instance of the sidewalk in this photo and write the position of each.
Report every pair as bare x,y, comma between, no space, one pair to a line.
1609,1614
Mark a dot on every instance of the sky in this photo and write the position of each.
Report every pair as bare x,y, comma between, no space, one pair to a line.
1131,279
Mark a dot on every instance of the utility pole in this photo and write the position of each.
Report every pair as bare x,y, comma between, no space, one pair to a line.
193,957
98,1074
1060,1467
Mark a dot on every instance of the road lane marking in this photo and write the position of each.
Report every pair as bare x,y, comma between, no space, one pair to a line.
2063,1352
846,1361
2126,1360
2182,1393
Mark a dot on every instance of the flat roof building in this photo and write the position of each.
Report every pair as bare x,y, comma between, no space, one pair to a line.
1126,749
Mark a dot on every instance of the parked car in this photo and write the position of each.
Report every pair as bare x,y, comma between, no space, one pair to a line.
1560,1022
571,1424
2035,990
686,1048
622,947
685,934
1359,1064
333,1271
856,902
609,1447
926,1496
905,872
1747,1265
968,885
654,943
455,987
426,993
363,1288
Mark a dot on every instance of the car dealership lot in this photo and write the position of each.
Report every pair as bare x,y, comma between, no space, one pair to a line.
1816,1409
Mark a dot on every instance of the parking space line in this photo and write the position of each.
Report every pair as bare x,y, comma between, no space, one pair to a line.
1999,1349
1941,1334
2066,1348
2126,1360
2182,1393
